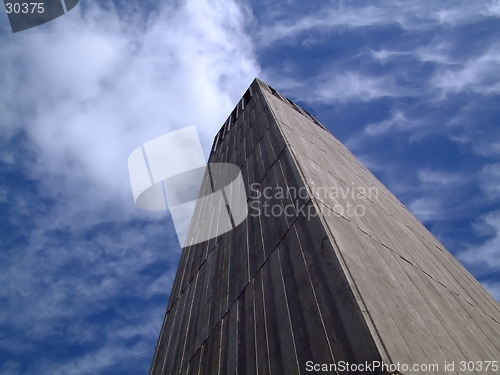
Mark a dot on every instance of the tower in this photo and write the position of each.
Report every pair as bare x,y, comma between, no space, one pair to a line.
328,269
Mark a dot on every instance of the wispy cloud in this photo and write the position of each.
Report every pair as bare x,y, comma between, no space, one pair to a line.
434,190
421,15
485,258
478,74
492,287
426,209
328,18
432,179
490,180
493,9
100,360
438,53
383,55
487,147
352,85
397,121
432,68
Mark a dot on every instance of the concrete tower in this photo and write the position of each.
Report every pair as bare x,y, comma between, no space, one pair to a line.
329,271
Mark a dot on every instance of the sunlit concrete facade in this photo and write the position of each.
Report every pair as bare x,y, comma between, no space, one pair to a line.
338,272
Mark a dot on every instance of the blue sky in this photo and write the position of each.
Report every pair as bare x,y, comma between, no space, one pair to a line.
411,87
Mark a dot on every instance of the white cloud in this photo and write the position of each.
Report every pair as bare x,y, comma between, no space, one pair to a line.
99,86
96,86
493,9
383,56
467,130
329,18
486,257
329,87
436,53
10,367
487,147
96,362
397,120
435,189
450,73
355,86
493,288
39,286
478,74
426,209
439,179
490,180
421,15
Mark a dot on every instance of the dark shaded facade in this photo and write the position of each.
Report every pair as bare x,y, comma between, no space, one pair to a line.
309,280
